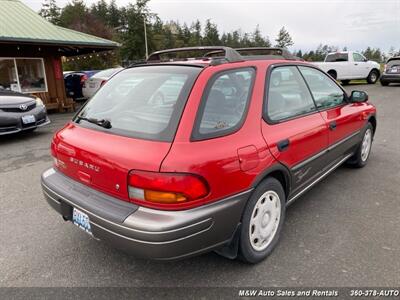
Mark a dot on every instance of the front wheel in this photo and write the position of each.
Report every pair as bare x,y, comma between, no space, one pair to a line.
384,83
373,77
361,156
262,221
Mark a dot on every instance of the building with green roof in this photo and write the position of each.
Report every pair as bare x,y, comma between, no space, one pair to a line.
31,49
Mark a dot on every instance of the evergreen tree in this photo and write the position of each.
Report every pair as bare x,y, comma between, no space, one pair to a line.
50,11
258,40
211,35
284,39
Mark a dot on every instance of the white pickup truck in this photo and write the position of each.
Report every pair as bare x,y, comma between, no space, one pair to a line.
348,65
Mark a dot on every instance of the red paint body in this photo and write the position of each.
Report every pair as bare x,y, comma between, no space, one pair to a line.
229,164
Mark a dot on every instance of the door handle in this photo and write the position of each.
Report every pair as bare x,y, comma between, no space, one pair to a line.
283,145
332,125
356,64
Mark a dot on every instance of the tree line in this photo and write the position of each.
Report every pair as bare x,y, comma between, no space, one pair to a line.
125,25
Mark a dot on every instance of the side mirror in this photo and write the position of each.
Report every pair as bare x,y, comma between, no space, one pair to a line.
358,96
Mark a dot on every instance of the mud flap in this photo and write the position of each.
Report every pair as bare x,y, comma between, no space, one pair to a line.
231,249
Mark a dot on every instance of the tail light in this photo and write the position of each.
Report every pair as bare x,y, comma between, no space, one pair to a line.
53,151
84,77
166,190
103,82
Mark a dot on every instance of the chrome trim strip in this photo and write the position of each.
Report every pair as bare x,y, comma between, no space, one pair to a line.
50,197
290,201
116,224
343,140
149,242
45,123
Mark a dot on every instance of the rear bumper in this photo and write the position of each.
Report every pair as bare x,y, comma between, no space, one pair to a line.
146,232
390,78
11,122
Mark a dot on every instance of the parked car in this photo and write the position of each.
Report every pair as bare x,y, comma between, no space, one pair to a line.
391,73
20,112
349,65
74,82
215,168
91,85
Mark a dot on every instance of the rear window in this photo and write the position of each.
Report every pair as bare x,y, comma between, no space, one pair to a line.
142,102
393,61
336,57
107,73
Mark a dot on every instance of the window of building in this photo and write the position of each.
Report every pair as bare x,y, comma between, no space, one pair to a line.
24,75
8,75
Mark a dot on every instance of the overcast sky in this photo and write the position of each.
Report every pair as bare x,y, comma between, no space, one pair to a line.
352,23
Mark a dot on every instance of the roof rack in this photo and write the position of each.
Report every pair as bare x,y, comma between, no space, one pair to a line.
266,51
226,54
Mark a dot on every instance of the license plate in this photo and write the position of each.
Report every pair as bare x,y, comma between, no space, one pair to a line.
92,85
28,119
81,220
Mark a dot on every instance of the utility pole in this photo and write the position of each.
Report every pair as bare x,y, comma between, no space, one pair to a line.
145,37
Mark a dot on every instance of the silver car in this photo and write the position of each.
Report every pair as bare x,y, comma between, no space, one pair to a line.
20,112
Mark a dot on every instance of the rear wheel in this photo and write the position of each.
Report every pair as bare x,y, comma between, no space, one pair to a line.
262,221
373,77
333,74
361,156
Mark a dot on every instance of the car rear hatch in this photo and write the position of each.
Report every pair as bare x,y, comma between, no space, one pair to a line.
141,107
393,67
103,160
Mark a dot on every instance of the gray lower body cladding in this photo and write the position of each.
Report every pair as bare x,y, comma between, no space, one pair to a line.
11,122
395,78
146,232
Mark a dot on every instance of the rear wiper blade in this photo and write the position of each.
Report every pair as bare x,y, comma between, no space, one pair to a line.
102,122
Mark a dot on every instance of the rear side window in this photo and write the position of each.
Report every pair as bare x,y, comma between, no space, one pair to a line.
224,104
337,57
142,102
358,57
288,95
325,91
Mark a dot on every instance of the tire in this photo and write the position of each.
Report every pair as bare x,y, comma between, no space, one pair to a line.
373,77
384,83
360,158
269,196
333,74
345,82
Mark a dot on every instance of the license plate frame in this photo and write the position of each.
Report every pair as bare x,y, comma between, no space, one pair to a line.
28,119
82,220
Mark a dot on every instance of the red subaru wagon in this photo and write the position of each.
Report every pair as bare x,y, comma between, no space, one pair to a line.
185,154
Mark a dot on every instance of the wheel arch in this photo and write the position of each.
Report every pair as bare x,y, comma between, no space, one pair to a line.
333,71
377,70
372,120
280,173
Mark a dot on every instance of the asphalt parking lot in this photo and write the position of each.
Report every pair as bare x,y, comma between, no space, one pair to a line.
344,232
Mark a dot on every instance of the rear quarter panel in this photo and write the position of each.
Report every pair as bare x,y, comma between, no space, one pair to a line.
217,159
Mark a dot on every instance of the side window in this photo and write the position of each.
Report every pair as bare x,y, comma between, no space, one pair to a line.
337,57
224,103
288,95
325,91
358,57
